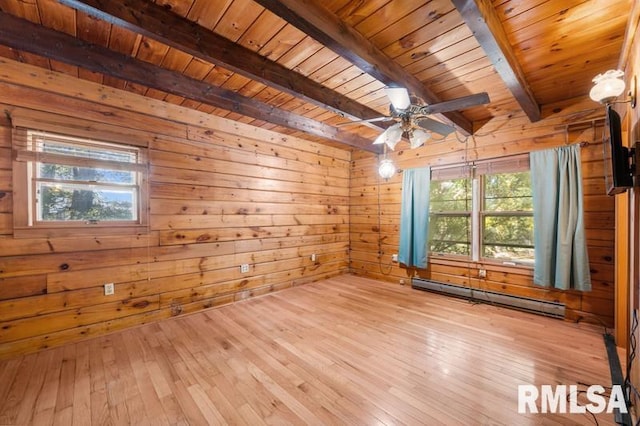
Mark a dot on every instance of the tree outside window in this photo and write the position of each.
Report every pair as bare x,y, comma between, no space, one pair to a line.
485,215
507,217
84,181
450,217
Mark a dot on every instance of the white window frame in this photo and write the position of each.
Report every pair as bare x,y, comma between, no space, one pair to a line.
475,172
466,214
482,213
26,160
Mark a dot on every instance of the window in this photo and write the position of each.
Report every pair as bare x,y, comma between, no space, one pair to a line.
450,216
72,182
507,217
483,212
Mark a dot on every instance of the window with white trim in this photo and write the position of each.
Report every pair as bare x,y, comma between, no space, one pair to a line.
483,212
507,217
450,216
75,182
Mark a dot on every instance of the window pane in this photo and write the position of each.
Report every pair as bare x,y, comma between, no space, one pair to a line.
69,202
96,152
508,237
450,234
450,195
62,172
513,254
508,192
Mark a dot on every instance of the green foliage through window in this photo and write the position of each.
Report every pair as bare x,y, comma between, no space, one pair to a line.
84,181
72,202
450,217
507,217
507,192
503,218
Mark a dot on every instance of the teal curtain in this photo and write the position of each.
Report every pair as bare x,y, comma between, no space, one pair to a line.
561,259
414,217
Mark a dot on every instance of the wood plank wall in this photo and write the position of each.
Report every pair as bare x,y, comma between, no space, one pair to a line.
628,245
224,193
375,208
221,194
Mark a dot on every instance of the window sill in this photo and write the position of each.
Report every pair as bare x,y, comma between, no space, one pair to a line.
494,265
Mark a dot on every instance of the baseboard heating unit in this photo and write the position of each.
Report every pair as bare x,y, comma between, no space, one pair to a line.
532,305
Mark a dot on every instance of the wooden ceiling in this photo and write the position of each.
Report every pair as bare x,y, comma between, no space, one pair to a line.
302,66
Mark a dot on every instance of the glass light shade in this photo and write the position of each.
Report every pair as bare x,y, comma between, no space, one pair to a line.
418,137
394,134
386,170
391,136
399,97
381,138
608,86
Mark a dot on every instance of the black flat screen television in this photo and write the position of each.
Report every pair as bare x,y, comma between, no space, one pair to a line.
617,167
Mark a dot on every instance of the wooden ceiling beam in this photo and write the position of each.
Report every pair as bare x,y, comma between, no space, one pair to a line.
29,37
483,20
159,23
344,40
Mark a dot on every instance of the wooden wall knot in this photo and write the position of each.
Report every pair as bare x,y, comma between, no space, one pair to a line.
141,304
176,308
203,237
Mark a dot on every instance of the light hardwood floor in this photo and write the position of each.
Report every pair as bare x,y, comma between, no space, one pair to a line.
347,350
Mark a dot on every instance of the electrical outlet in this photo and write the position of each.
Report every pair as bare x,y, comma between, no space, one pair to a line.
244,268
109,289
394,257
482,273
313,257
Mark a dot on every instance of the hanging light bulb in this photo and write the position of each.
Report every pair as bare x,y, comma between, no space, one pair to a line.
387,169
608,86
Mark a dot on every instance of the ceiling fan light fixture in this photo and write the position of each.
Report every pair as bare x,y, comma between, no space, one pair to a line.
390,137
381,138
399,97
418,137
394,134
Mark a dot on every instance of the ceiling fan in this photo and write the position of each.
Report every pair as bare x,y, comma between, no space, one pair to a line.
413,119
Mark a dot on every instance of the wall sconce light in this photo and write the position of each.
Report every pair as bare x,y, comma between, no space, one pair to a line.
609,86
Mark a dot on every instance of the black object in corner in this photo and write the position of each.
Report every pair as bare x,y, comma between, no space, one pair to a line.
617,379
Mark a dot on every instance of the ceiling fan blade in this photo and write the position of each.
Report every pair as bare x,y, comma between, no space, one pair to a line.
434,126
399,97
368,120
456,104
